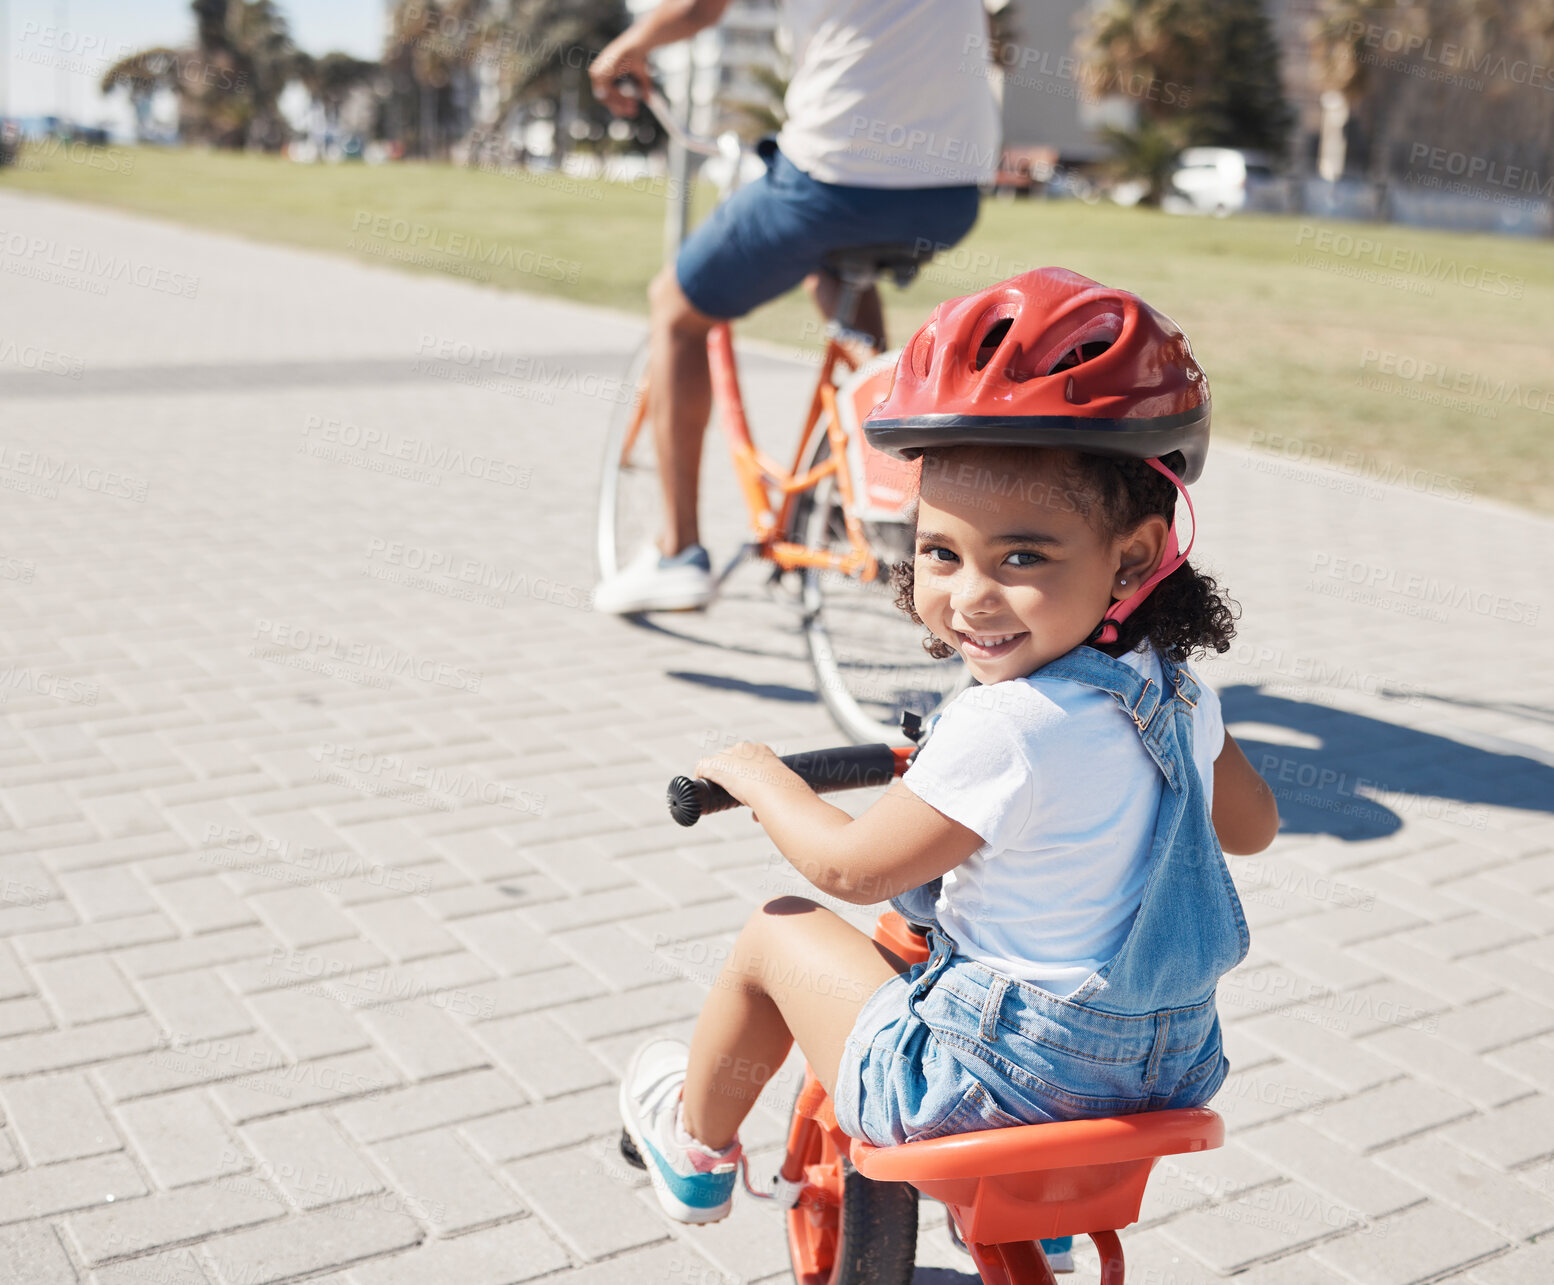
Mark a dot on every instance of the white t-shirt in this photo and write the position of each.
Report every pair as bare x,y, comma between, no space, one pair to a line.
890,93
1053,775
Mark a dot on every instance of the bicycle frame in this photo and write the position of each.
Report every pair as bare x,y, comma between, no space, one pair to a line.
759,476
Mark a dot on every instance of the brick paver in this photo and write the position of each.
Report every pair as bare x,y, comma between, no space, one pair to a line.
335,887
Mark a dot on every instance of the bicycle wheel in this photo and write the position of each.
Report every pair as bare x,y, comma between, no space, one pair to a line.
868,655
631,500
863,1233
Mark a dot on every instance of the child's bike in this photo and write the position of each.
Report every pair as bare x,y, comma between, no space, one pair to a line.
836,520
852,1208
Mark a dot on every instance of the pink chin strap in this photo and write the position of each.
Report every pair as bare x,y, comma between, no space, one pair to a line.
1111,622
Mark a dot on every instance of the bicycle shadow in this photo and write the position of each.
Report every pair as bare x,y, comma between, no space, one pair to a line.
766,691
1357,778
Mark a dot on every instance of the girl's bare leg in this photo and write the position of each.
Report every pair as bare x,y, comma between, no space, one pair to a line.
798,971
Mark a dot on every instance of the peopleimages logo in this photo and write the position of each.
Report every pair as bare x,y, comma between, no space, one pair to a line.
1469,383
1339,244
1481,169
41,254
1480,62
1366,580
402,239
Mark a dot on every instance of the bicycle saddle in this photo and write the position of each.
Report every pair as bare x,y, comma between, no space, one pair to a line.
865,263
1027,1181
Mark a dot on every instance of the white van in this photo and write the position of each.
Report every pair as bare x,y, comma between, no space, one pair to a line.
1213,180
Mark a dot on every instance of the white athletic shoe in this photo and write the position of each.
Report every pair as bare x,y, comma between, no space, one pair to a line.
693,1184
652,582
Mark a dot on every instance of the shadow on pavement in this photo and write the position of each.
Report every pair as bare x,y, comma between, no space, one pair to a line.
766,691
1356,778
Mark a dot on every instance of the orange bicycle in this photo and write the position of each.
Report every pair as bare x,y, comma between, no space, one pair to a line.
832,524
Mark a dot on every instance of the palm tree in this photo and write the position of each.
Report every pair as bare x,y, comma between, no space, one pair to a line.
1220,63
333,78
1160,41
1339,53
1146,152
1396,93
541,50
432,45
228,83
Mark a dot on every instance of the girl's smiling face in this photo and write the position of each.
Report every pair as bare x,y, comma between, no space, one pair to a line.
1013,567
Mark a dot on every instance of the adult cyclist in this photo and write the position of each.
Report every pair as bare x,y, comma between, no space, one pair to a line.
886,140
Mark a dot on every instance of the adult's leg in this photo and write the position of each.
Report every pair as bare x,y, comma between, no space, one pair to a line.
798,971
679,403
869,314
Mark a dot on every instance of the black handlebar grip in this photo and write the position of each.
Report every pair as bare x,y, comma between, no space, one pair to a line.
690,800
848,767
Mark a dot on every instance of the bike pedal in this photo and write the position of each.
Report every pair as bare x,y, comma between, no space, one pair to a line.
629,1152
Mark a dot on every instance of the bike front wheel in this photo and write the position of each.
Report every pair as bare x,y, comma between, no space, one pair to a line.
631,498
862,1233
868,655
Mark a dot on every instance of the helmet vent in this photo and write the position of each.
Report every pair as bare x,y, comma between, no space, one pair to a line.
991,340
1082,343
1079,354
922,352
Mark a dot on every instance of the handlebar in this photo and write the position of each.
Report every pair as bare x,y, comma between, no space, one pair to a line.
724,145
848,767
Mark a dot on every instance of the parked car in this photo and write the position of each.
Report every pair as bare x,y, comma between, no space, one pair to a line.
1214,180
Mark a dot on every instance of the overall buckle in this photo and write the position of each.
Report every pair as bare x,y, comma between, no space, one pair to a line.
1143,723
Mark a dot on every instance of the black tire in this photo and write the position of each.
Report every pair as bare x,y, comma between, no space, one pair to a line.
878,1240
867,655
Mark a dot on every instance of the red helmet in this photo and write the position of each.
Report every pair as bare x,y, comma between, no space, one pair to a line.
1048,358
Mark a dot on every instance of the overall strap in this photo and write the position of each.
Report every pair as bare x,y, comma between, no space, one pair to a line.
1141,698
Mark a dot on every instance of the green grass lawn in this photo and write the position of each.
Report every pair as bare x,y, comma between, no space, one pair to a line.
1376,348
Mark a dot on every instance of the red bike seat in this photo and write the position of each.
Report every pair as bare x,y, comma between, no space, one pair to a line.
1036,1181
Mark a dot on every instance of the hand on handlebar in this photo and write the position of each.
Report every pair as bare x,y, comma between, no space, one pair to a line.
749,770
745,768
620,60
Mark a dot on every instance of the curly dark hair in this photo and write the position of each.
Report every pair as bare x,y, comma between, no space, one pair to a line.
1186,613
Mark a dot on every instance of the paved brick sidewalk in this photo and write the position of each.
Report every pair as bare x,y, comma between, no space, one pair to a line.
335,885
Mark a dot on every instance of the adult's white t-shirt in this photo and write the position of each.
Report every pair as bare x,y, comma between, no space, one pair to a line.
1054,777
890,93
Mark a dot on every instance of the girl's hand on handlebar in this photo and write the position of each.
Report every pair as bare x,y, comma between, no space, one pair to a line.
749,771
622,57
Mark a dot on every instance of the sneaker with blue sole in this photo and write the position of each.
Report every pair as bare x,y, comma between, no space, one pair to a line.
1060,1253
693,1183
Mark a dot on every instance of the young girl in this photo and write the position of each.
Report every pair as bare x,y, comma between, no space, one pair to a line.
1060,832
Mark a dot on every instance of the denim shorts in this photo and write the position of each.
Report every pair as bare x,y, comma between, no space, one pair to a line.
950,1046
773,233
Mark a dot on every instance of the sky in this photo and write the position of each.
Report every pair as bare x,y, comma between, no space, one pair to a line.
57,50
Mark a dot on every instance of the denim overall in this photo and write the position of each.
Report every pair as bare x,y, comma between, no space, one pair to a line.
950,1046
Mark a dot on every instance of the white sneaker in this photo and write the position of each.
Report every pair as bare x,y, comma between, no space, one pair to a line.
652,582
693,1184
